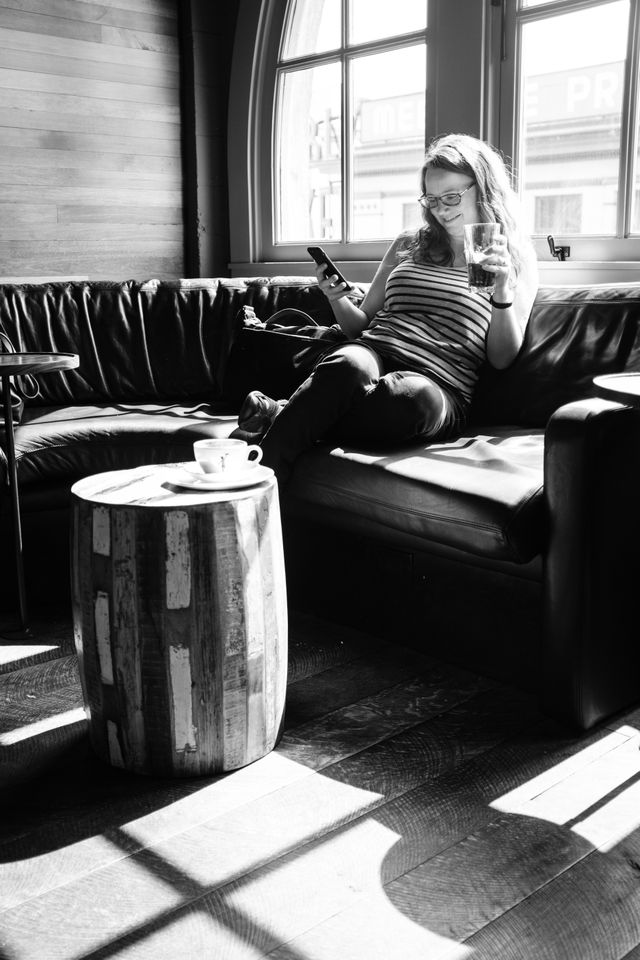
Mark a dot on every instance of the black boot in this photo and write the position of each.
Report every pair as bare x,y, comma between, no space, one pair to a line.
257,413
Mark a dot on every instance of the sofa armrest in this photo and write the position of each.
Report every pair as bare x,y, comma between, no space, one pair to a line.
591,646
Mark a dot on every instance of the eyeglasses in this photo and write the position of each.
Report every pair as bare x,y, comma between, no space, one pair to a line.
450,199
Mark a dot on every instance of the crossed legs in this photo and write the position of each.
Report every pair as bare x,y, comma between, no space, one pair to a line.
350,398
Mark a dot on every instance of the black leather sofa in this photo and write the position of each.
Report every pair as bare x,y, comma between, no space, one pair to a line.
511,550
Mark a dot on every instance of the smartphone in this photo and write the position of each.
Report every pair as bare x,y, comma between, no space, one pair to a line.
318,254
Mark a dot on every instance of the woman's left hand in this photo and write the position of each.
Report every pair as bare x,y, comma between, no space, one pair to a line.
498,261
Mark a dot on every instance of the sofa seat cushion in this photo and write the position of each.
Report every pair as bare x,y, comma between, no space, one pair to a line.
58,443
482,493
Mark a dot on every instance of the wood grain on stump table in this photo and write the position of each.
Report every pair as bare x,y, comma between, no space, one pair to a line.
180,620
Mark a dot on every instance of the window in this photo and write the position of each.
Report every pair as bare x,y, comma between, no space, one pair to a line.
340,97
331,105
348,134
573,90
558,213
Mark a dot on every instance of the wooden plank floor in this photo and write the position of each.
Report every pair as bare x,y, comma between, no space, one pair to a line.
411,810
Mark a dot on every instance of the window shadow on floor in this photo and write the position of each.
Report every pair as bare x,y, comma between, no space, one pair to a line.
409,807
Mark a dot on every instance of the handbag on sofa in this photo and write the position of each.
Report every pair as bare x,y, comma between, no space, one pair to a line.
276,355
22,388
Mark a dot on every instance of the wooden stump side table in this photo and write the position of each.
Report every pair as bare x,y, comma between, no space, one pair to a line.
180,621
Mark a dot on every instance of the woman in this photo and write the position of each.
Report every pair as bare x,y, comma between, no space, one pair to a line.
417,340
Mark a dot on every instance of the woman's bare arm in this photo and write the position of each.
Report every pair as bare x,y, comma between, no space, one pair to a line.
354,318
508,325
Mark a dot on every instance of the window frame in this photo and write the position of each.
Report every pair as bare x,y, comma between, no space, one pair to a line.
604,249
346,249
482,103
455,100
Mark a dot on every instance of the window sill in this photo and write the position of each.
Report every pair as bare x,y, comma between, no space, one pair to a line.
570,272
359,270
552,272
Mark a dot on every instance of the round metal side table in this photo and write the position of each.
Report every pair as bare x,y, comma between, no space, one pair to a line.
18,365
624,387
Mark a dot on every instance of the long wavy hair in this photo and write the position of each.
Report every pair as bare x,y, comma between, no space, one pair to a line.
497,201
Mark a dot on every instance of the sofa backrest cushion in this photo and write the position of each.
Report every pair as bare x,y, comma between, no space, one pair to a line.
170,340
143,341
136,341
573,334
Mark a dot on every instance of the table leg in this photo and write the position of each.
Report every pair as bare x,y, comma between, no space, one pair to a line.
15,500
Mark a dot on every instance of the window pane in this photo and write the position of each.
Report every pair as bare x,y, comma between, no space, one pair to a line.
635,217
313,26
635,208
558,213
308,155
375,19
535,3
388,103
571,103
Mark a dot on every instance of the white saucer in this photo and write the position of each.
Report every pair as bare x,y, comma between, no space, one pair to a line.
193,477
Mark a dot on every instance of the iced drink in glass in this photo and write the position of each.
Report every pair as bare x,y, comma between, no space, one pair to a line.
477,238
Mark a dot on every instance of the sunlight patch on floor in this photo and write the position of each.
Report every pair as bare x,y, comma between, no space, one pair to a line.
14,653
614,821
216,797
378,931
259,818
38,727
595,792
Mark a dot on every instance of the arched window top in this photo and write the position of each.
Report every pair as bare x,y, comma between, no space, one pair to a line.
312,26
317,26
332,104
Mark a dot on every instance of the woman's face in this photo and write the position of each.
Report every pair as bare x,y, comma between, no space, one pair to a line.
453,219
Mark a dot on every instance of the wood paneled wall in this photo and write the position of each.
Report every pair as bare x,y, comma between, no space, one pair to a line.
208,31
90,139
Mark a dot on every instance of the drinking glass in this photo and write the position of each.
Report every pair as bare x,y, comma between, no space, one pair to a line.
477,237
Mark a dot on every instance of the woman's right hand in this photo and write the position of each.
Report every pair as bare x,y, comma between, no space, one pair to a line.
332,288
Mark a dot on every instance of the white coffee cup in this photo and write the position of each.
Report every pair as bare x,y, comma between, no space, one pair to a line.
226,456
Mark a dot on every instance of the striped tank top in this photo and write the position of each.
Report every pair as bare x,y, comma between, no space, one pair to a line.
432,323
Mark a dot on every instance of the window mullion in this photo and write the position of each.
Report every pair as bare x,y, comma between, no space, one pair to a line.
557,8
347,127
347,160
355,49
